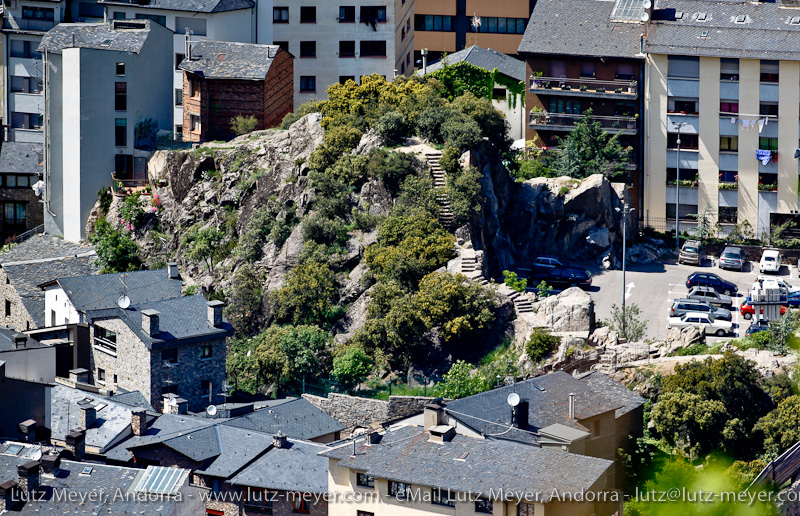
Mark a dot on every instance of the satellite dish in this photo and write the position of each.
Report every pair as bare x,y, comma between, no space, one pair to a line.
645,17
173,402
211,410
647,4
513,399
36,455
124,301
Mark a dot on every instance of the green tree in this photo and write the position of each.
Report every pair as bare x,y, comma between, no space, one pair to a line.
781,332
543,289
460,381
541,343
627,322
781,427
243,124
353,366
307,350
448,301
305,297
460,131
511,280
492,123
241,366
131,213
116,251
391,127
244,303
588,149
202,244
464,193
392,168
688,421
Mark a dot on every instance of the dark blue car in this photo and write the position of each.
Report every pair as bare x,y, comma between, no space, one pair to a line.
707,279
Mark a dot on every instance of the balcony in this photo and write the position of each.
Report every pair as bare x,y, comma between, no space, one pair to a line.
566,122
125,187
10,23
584,87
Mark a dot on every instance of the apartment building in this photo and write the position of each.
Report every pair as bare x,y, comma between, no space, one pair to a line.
333,42
20,170
446,26
727,76
569,72
245,21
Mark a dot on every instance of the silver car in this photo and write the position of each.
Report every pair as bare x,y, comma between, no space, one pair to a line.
709,295
682,306
732,258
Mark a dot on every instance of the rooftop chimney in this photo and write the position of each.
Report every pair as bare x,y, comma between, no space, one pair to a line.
20,340
79,375
433,415
215,313
373,437
138,421
76,444
572,405
7,499
172,271
280,440
28,429
51,464
442,433
521,414
150,322
88,416
29,476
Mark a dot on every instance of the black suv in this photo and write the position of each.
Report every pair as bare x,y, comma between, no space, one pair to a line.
566,276
707,279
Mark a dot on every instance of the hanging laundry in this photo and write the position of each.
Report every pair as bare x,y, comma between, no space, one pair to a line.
763,156
760,125
766,121
733,120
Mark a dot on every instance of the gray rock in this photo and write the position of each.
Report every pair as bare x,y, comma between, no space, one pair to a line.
571,310
354,319
599,238
374,198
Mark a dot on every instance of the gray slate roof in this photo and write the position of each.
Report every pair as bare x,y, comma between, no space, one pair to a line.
99,36
766,33
7,341
488,59
548,404
163,426
230,60
579,28
21,157
133,399
199,6
9,462
43,247
297,418
99,292
299,467
407,455
112,420
618,394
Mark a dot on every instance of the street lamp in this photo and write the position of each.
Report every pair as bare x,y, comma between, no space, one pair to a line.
626,210
678,126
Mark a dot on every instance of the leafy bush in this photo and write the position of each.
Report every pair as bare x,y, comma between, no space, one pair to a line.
543,289
106,198
305,297
461,131
338,140
429,123
322,229
460,308
449,160
353,366
116,252
243,124
460,382
392,168
417,198
266,224
781,427
627,322
131,213
245,300
511,279
391,127
202,244
464,193
491,122
541,344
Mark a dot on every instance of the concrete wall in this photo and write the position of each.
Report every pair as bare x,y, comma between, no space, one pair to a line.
355,411
53,154
34,364
21,400
749,74
656,137
708,166
788,115
55,300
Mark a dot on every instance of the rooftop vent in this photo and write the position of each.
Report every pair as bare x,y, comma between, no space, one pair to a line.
442,433
795,20
741,18
701,17
704,34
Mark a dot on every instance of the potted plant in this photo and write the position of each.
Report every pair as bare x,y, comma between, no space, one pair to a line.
618,90
566,87
600,89
584,87
547,85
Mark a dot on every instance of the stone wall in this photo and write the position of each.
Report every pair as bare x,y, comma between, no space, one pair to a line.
232,501
353,411
19,317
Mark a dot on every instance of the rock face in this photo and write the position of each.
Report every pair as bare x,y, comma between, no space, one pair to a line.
571,310
680,338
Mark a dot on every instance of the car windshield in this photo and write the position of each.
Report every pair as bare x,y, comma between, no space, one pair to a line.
690,249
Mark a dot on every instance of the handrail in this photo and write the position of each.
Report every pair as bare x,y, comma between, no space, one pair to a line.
26,235
780,470
568,119
627,86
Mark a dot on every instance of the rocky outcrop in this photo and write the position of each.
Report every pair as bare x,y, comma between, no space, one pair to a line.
571,310
678,338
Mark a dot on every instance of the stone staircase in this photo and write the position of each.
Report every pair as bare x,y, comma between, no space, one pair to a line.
470,266
446,215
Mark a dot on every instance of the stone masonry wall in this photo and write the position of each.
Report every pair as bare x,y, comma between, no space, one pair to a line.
131,364
353,411
231,500
20,319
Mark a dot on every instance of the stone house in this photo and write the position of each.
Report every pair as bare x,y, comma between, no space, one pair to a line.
222,80
20,169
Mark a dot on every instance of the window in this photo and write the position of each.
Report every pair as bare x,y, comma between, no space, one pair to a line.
15,213
683,67
688,141
205,351
364,513
115,379
26,49
347,49
768,109
442,497
347,14
8,308
728,176
280,15
121,69
52,317
729,143
37,13
308,83
729,69
25,84
26,120
484,506
123,165
106,335
179,132
118,15
770,144
169,389
196,26
194,123
373,49
205,388
308,49
120,96
398,489
178,97
433,22
729,107
728,214
344,78
282,44
308,15
300,504
178,59
90,12
588,69
120,132
101,375
769,71
362,479
502,25
161,20
15,181
685,106
260,498
373,14
170,356
194,88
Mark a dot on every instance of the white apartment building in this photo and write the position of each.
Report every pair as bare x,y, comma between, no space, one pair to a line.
107,89
244,21
727,74
336,41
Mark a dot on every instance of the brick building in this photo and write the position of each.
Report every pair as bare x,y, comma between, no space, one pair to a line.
20,169
222,80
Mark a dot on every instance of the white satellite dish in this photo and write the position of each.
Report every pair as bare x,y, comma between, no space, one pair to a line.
647,4
513,399
211,410
645,17
124,301
173,402
36,455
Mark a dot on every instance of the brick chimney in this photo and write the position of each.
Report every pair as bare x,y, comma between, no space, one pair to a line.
280,440
79,375
433,415
172,271
521,414
20,340
7,490
29,476
87,418
215,313
76,444
51,464
138,421
150,322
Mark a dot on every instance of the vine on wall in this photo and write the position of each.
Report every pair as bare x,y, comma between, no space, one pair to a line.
463,77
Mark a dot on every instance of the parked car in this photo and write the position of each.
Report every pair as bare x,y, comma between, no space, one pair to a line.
682,306
546,263
707,324
732,258
770,262
781,283
566,276
692,252
709,295
757,327
708,279
748,311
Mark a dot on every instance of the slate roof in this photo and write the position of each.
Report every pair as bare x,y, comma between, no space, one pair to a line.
298,467
199,6
112,420
133,399
162,427
99,292
297,418
230,60
472,465
488,59
579,28
7,340
43,247
21,157
98,36
618,394
9,462
766,33
548,404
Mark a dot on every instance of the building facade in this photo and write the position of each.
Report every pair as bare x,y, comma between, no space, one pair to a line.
20,170
334,42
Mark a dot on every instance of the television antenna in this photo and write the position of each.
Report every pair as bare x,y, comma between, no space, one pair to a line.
124,301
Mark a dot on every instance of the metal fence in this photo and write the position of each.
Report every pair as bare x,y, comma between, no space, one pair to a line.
689,226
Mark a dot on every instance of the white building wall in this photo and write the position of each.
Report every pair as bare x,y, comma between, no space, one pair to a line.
56,302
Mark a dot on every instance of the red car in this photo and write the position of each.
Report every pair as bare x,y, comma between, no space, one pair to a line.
748,311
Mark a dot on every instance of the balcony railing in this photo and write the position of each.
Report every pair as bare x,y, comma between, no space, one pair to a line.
565,122
124,187
25,24
560,85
